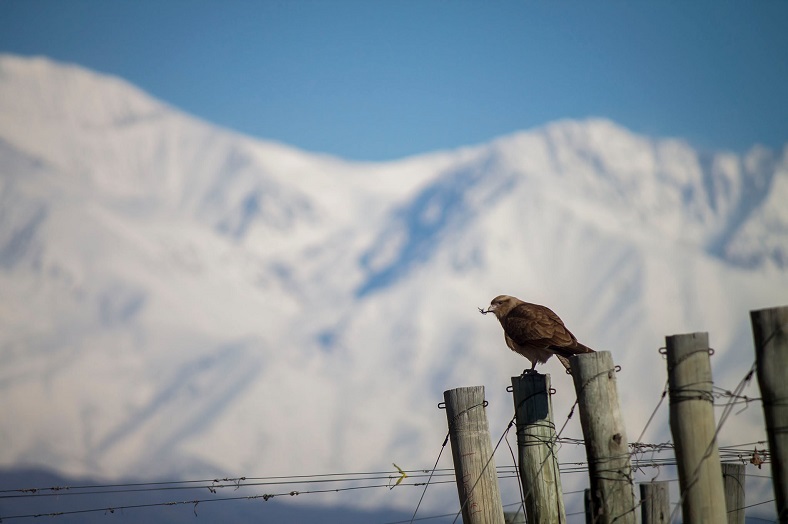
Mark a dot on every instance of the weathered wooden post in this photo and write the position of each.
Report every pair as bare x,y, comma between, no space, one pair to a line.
693,429
474,466
733,484
770,332
655,503
610,470
538,463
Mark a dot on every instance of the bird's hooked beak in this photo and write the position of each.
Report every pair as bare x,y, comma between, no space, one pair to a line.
490,309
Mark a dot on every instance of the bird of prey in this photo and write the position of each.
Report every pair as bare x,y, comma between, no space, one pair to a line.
534,331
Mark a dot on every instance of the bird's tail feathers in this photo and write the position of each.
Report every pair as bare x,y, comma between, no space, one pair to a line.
567,352
584,349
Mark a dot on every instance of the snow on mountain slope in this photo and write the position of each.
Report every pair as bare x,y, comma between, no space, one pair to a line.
178,299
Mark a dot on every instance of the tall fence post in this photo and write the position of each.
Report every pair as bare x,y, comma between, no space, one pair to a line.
609,466
474,465
654,503
693,429
770,333
538,463
733,484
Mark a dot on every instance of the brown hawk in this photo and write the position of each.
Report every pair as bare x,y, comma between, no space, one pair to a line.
534,331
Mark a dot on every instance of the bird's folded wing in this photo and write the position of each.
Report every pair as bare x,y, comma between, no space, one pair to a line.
538,326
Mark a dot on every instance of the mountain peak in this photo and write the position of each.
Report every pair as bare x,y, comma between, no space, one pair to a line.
42,88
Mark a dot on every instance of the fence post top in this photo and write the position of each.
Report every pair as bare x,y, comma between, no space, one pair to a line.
534,374
765,309
466,389
696,335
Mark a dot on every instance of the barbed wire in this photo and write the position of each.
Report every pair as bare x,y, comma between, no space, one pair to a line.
734,453
653,413
196,502
519,480
212,485
443,446
234,481
503,472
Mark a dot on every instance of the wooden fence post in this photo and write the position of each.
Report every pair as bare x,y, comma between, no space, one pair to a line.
474,465
770,332
693,429
654,503
538,463
607,449
733,484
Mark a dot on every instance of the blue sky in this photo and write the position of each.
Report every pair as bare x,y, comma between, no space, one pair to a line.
375,80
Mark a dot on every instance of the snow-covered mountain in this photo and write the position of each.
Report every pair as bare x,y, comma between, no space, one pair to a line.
179,299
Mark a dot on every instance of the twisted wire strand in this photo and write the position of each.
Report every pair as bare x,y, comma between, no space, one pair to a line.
443,446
